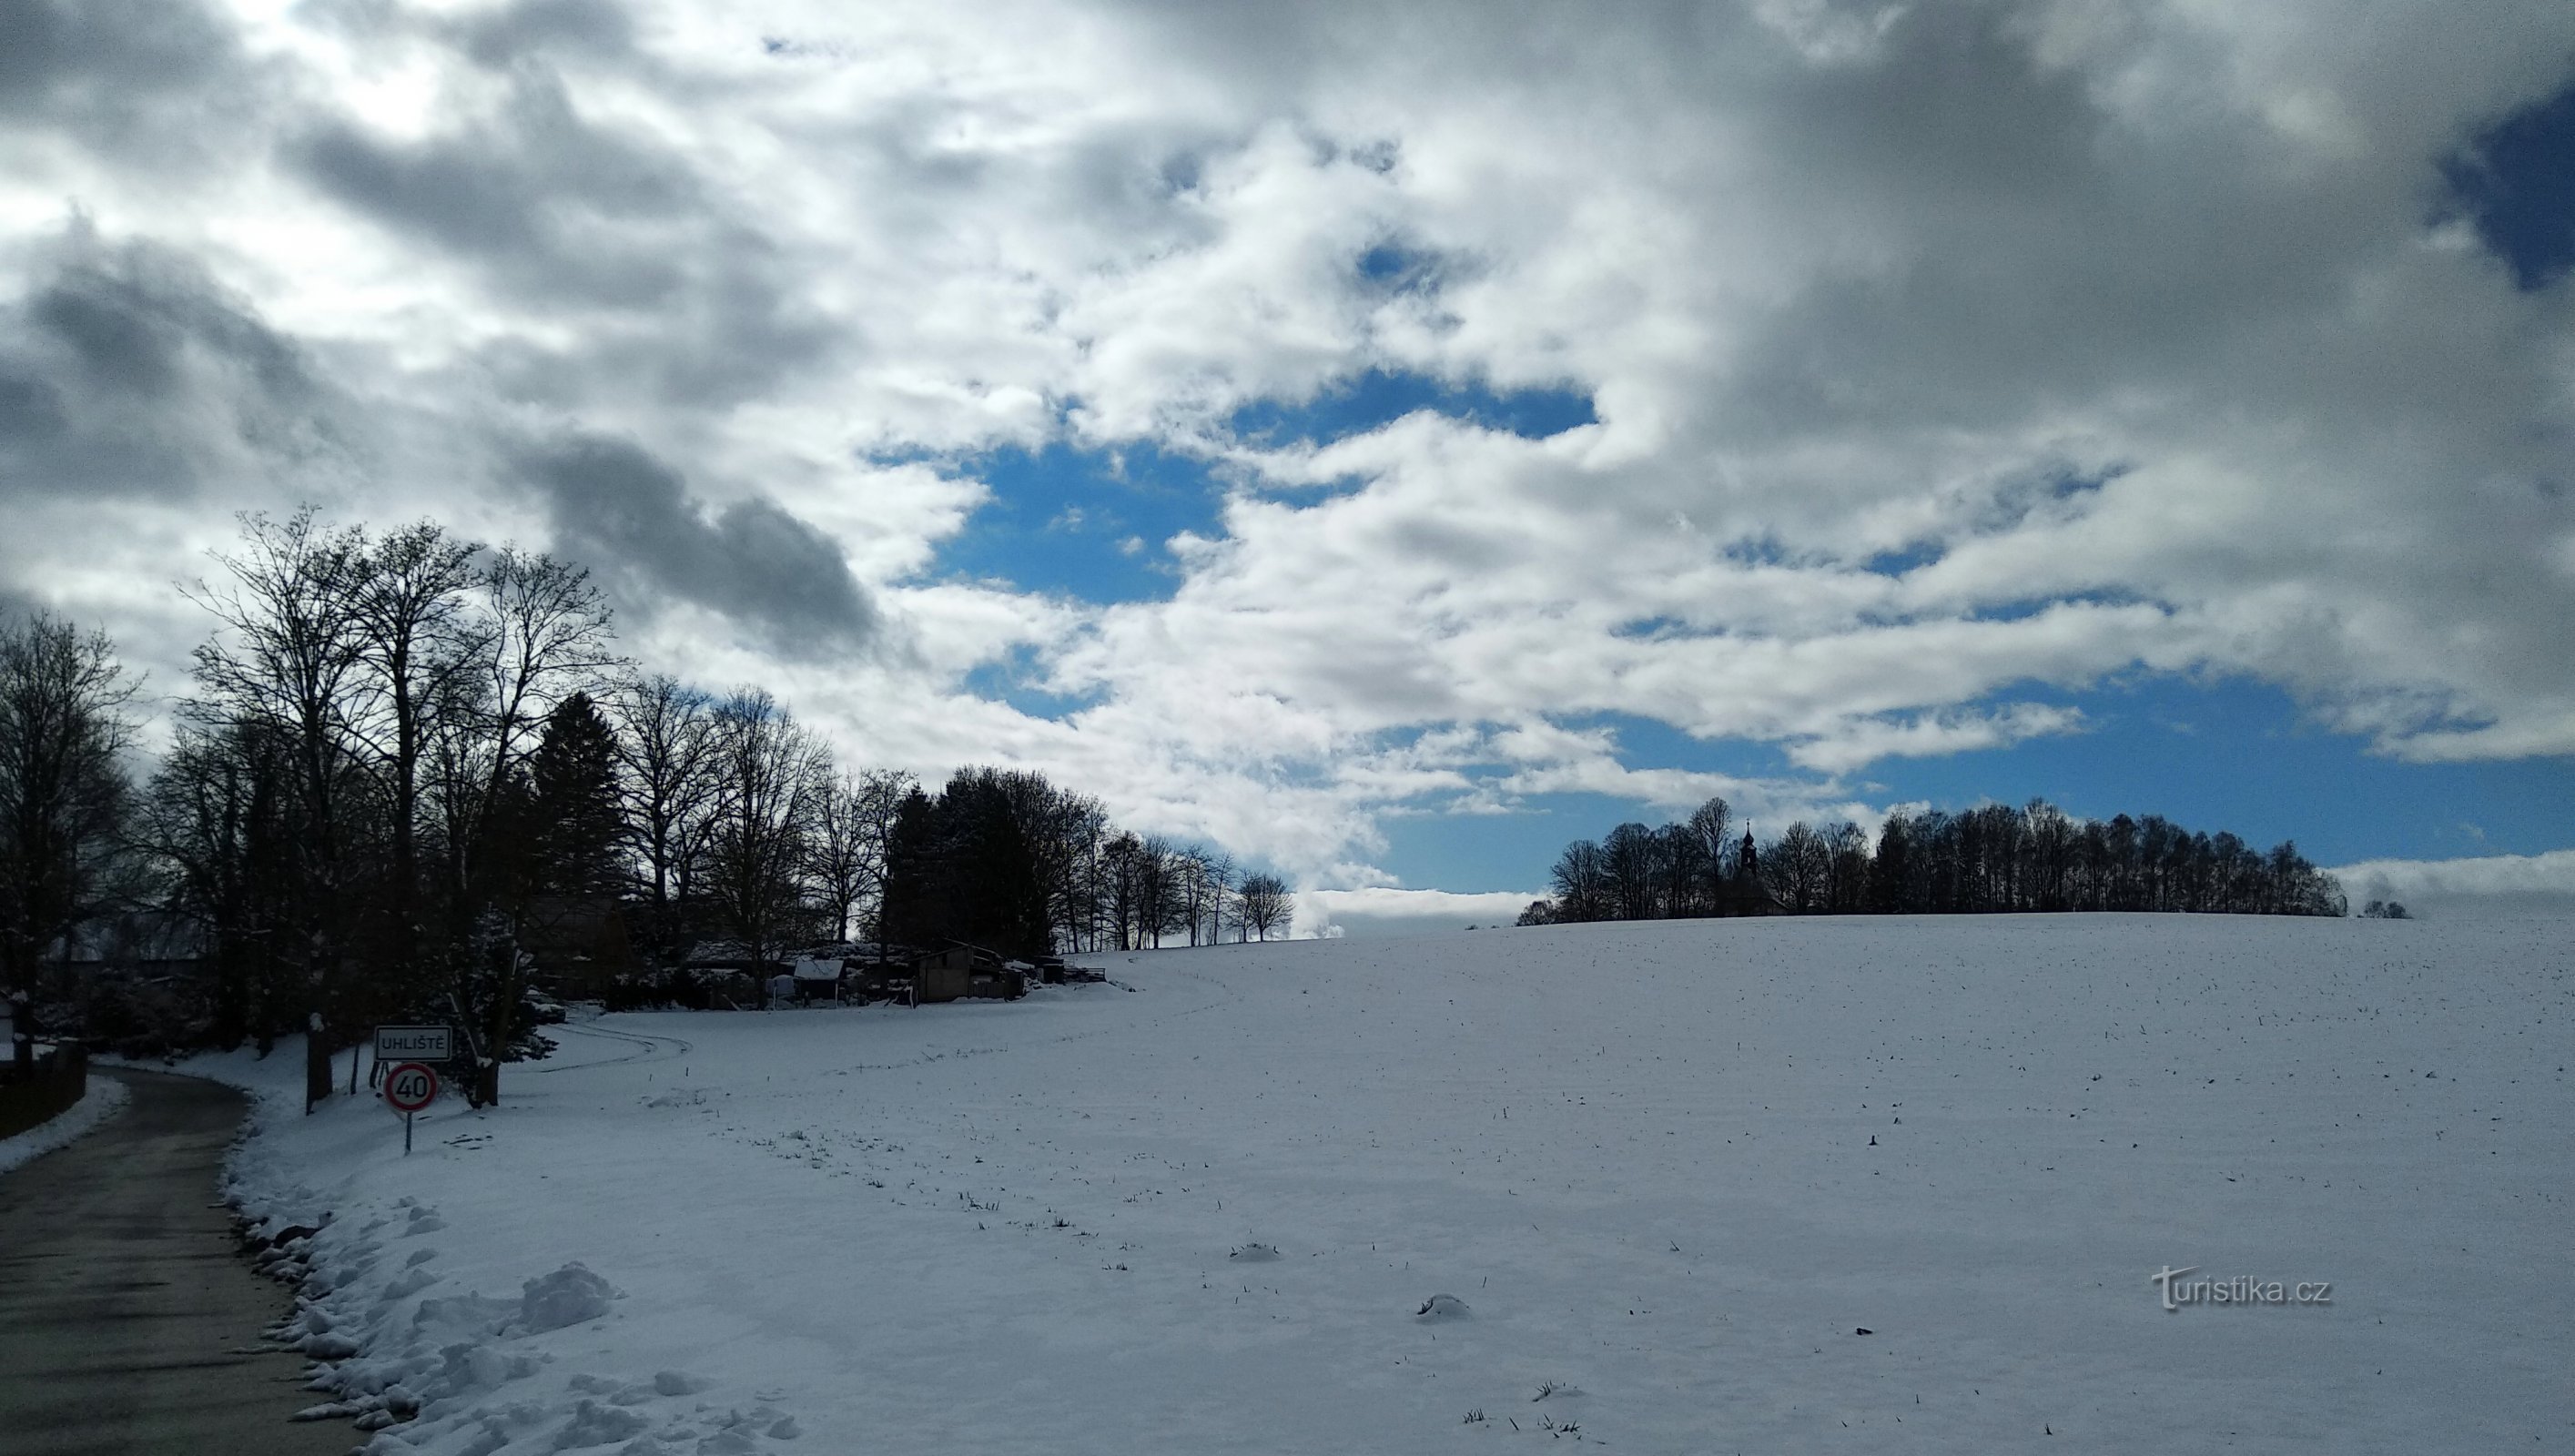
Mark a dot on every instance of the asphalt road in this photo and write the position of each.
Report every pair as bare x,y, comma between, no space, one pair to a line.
128,1319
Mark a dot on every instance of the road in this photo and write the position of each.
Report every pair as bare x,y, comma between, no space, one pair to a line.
128,1320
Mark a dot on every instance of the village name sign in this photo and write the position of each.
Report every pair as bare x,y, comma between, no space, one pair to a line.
414,1043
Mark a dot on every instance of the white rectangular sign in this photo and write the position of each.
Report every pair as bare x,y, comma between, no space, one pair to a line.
412,1044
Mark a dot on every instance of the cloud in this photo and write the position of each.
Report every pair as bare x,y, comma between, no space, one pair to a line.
548,201
1381,910
141,80
127,370
1942,361
615,505
1864,742
2487,885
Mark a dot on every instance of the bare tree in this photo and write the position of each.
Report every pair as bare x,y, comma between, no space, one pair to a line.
1628,856
1796,867
1190,879
1582,882
63,791
854,820
1846,876
217,820
414,641
1218,874
290,642
1081,832
1265,903
546,634
771,776
665,773
1709,824
1161,904
1682,878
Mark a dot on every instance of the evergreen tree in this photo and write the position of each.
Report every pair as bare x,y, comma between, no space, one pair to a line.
914,913
573,781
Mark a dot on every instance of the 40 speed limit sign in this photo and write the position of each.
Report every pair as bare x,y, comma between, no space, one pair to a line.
408,1089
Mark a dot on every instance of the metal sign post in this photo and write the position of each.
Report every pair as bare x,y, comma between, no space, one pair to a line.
408,1089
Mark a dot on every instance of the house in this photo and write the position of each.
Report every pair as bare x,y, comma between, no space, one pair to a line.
875,972
724,973
817,979
960,971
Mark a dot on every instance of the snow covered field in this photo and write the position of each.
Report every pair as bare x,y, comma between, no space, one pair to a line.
1204,1214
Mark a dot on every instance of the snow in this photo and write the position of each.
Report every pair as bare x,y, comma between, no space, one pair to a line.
99,1102
1610,1183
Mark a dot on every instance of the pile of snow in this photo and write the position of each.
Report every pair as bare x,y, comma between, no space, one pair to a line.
1673,1165
99,1102
568,1296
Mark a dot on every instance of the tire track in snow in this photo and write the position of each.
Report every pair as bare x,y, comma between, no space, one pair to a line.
648,1048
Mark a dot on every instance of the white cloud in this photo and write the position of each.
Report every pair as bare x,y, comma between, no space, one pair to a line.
2481,885
1385,909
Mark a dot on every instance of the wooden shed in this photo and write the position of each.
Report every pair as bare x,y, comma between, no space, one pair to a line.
960,971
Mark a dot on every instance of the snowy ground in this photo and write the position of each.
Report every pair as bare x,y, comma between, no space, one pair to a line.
99,1102
1638,1159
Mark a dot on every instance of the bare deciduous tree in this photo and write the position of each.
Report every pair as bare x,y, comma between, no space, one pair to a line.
415,640
771,775
666,760
63,793
1709,824
281,668
1265,904
853,822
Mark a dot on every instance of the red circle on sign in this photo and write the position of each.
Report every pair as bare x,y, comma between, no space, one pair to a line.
411,1086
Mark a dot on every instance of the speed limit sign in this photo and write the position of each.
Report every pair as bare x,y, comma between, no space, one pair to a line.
409,1087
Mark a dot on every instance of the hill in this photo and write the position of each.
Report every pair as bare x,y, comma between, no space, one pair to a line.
1666,1173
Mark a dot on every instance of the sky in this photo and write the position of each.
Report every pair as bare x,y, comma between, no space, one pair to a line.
1385,442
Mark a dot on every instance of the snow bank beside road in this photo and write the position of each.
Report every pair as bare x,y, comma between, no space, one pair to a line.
101,1100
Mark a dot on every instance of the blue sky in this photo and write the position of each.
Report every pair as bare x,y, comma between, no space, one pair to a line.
2211,752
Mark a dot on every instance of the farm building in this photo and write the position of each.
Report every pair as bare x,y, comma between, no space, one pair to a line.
962,971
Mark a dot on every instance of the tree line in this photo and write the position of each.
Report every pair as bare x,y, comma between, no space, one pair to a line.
1987,859
413,775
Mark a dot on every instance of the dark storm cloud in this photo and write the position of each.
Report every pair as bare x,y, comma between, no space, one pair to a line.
553,205
496,36
2013,248
506,33
631,515
566,217
139,79
125,370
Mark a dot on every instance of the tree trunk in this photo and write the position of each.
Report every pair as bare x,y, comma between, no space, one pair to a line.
317,1062
22,1037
